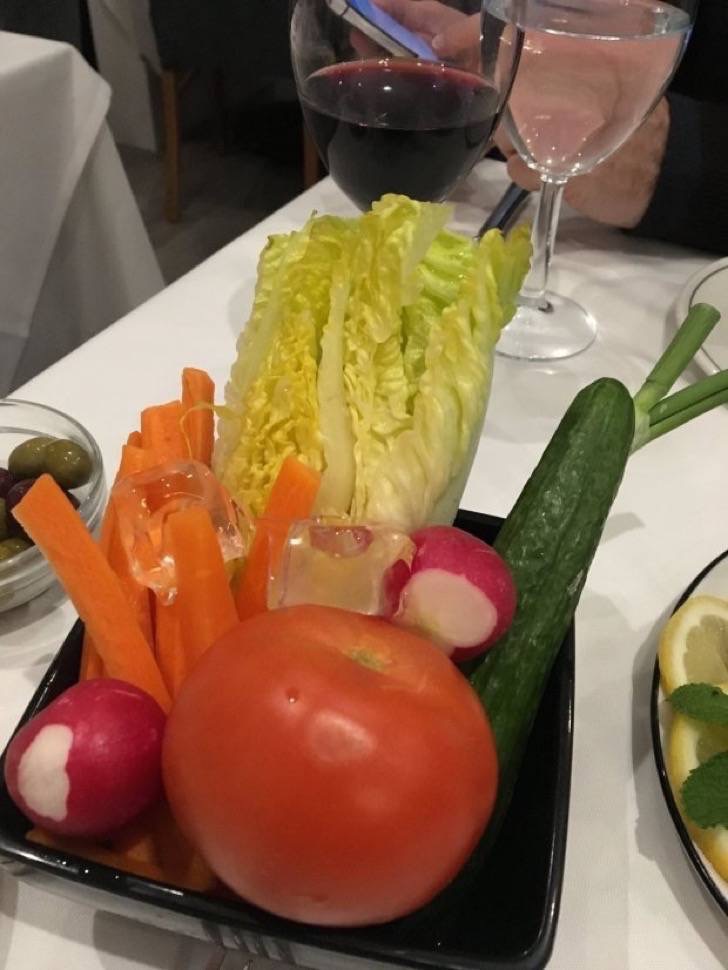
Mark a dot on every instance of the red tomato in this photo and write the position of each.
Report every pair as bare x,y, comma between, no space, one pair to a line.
330,767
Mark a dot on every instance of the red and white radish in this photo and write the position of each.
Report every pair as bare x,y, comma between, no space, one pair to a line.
460,593
89,762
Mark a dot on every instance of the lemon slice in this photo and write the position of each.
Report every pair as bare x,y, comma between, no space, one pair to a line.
694,644
689,744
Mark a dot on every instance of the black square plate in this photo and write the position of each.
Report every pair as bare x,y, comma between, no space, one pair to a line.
506,919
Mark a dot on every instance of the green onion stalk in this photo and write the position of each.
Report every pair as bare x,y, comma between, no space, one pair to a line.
657,411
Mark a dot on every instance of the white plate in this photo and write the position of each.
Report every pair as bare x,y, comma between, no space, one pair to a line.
709,285
712,581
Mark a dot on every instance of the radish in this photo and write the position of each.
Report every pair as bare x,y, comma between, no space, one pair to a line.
460,593
89,762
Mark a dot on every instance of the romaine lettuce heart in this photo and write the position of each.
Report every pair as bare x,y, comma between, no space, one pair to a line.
368,354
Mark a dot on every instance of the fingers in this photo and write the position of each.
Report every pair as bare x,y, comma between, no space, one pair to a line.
426,17
460,36
363,45
522,175
503,141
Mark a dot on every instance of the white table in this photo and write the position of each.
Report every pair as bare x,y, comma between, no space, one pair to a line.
74,253
630,902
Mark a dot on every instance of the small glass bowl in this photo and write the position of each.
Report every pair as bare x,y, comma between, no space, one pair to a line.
28,574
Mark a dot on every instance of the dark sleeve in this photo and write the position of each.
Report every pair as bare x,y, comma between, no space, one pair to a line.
690,203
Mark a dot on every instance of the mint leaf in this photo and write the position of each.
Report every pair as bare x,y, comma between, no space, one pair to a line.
705,792
703,702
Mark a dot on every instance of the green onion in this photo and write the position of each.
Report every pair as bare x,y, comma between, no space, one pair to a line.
656,414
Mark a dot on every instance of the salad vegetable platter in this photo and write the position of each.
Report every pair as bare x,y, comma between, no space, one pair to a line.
310,706
511,912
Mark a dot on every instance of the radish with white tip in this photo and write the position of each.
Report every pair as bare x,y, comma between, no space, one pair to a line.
460,593
89,762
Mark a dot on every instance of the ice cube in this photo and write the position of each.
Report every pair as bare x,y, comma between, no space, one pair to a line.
144,501
337,563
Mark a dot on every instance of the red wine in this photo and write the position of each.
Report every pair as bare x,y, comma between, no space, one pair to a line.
398,126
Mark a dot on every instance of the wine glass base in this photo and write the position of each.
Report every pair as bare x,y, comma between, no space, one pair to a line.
562,330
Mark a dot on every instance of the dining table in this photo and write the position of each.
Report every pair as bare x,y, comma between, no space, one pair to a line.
630,899
75,254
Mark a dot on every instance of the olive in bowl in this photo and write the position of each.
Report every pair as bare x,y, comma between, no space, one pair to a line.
36,440
65,460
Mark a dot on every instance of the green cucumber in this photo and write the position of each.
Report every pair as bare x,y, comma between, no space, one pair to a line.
549,540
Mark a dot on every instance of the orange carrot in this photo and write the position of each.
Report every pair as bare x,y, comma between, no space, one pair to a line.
175,856
133,459
136,840
135,438
169,647
198,388
136,595
127,862
204,599
162,431
56,528
91,666
291,497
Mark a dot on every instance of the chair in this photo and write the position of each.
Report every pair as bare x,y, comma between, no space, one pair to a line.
242,45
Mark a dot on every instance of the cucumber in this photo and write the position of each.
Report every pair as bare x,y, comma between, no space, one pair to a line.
549,540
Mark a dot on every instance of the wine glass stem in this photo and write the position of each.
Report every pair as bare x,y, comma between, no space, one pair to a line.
533,293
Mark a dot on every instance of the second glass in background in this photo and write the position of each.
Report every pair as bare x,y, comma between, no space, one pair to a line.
590,72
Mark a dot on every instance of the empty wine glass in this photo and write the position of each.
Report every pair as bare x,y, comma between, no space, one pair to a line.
590,72
389,109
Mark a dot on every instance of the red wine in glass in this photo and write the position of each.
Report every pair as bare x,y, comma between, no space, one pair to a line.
398,125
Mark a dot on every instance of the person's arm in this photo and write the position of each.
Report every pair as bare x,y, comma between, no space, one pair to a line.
689,205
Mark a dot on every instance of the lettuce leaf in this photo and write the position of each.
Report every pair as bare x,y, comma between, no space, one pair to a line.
369,354
271,399
426,465
393,240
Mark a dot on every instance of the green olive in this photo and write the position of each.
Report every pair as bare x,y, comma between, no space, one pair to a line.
3,520
27,460
67,462
11,547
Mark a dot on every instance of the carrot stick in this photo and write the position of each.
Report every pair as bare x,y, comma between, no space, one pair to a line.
162,431
176,857
91,666
204,599
169,647
198,388
155,839
135,438
291,497
136,841
127,862
56,528
136,595
133,459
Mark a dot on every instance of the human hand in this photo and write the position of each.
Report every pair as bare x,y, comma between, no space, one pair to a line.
453,35
618,191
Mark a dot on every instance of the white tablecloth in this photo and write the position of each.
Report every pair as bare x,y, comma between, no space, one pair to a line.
74,254
630,901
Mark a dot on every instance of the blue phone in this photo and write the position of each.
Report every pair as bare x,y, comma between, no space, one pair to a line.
382,29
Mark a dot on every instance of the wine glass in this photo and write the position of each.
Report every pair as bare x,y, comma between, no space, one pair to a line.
590,72
389,109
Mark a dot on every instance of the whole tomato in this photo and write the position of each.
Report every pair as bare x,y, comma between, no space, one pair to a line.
330,767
